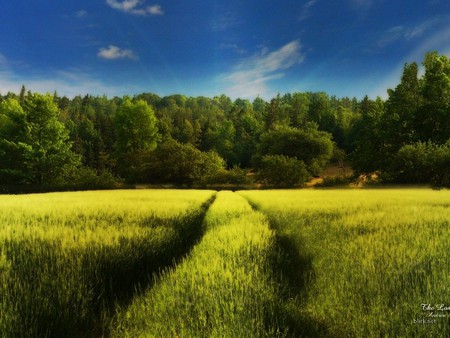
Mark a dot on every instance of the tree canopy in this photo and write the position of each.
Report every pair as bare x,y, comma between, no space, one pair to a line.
48,140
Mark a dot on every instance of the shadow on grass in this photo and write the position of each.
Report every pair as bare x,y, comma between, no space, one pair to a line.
293,271
127,282
49,294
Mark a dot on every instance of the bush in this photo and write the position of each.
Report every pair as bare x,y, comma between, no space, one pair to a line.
85,178
282,171
174,162
422,163
235,175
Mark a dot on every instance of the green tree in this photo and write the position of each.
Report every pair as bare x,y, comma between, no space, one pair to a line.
174,162
310,145
433,121
39,148
282,171
137,134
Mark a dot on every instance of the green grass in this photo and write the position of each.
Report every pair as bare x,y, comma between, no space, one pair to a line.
307,263
362,262
66,258
224,288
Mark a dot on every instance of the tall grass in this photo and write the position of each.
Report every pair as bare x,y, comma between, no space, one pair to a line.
362,263
66,258
224,288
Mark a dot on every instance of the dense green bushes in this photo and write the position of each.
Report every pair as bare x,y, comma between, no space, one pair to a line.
282,171
423,163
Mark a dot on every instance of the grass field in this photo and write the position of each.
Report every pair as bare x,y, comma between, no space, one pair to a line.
67,258
362,262
312,263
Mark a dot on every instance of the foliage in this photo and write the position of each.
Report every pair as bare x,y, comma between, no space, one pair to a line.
423,163
310,145
137,134
174,162
34,142
39,134
282,171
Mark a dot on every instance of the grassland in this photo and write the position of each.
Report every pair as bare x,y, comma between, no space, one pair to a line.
297,263
224,288
363,262
67,258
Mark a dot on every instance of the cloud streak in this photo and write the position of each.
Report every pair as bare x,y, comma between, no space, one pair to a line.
306,10
115,53
69,83
397,33
250,77
135,7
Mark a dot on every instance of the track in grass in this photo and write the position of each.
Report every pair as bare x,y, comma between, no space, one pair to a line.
67,258
224,288
366,259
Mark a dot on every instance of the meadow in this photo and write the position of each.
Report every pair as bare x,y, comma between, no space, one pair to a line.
66,259
186,263
364,263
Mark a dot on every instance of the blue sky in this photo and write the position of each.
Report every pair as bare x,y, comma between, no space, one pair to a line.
205,48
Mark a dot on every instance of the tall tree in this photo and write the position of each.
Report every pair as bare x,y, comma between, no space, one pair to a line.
137,133
37,139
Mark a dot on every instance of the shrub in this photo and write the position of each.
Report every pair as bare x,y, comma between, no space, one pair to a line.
422,162
282,171
174,162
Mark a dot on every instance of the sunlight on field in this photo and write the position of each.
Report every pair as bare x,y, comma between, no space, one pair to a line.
223,289
312,263
369,258
66,257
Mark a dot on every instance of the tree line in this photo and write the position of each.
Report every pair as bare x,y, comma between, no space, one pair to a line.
53,142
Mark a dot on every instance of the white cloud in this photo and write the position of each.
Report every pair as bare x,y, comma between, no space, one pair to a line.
81,13
306,10
114,53
397,33
69,83
136,7
225,21
250,77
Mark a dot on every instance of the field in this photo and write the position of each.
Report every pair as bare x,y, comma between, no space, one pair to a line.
66,259
168,263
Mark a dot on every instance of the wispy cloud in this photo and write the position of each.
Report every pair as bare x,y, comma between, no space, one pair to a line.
250,77
306,10
136,7
234,47
225,21
70,83
81,13
397,33
113,53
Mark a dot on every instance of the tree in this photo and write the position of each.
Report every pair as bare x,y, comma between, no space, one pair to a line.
136,128
137,134
310,145
13,132
174,162
282,171
433,121
37,144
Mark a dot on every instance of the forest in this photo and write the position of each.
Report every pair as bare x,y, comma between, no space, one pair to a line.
52,142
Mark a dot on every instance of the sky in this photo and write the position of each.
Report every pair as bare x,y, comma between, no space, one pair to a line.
243,49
